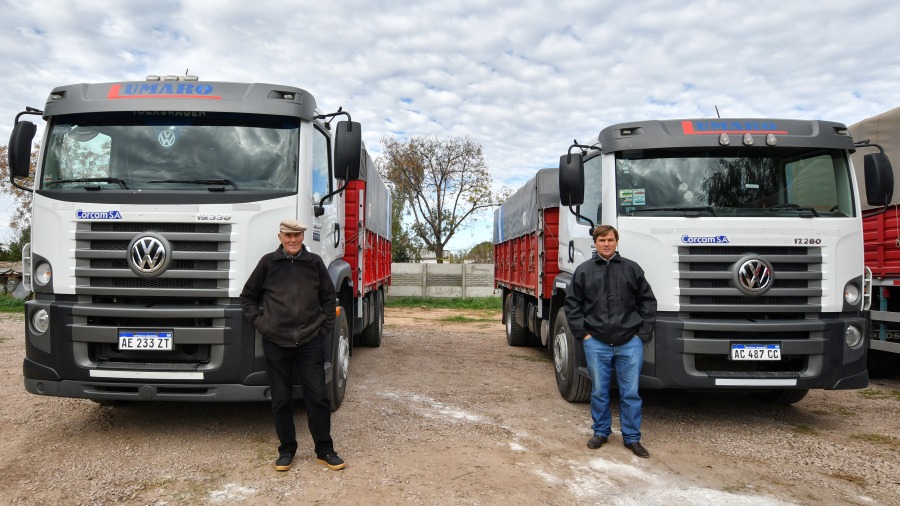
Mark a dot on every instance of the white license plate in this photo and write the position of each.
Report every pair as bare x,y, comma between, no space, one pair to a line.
140,340
755,352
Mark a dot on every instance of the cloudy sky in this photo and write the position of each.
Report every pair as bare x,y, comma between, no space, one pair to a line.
522,78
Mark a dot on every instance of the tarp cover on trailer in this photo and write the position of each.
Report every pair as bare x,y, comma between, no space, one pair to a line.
378,199
883,129
519,214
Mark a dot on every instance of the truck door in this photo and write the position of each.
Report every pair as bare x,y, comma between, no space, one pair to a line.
325,234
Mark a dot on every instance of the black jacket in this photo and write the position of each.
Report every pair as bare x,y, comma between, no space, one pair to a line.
290,300
611,300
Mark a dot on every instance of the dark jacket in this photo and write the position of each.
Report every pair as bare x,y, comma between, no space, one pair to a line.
611,300
290,300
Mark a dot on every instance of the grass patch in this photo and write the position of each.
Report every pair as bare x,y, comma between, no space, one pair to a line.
896,394
489,303
11,304
466,319
877,439
872,393
804,429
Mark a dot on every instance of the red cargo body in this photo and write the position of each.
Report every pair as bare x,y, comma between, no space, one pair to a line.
881,243
516,261
363,248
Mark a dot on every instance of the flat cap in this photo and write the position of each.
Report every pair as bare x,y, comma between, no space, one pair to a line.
291,226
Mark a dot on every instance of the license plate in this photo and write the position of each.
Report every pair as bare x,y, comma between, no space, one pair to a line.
140,340
755,352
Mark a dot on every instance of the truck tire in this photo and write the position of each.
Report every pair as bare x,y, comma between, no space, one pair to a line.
371,335
572,386
881,364
340,361
780,397
516,335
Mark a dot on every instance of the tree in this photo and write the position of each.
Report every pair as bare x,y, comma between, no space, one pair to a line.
482,253
442,182
20,218
404,247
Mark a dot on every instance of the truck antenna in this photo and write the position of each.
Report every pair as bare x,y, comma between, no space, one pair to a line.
717,112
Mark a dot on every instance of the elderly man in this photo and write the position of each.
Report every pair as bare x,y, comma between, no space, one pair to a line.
290,299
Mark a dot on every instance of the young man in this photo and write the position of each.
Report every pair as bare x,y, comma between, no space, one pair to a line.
290,299
611,308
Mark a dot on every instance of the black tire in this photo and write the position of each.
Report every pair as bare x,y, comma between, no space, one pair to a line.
780,397
516,335
881,364
371,335
340,361
572,386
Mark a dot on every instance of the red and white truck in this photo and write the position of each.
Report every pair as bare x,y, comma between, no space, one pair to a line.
153,201
881,232
748,230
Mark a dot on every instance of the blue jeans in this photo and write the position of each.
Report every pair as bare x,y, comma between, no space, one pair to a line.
626,360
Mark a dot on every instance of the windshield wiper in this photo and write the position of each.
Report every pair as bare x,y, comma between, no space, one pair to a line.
805,212
92,180
688,211
198,181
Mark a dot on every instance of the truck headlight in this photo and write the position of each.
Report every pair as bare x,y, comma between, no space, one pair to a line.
851,293
853,337
40,321
42,274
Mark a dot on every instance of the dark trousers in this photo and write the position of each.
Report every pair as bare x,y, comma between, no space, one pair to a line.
306,363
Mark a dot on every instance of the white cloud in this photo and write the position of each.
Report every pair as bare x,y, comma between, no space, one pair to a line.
522,78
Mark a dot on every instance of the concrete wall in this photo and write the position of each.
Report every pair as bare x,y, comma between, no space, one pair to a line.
442,280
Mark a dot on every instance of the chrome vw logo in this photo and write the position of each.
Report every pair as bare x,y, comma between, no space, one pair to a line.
166,138
148,255
754,276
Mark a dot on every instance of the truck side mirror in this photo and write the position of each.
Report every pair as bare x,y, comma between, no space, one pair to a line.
571,179
347,150
20,149
879,179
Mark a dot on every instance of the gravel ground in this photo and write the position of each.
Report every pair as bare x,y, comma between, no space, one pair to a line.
445,413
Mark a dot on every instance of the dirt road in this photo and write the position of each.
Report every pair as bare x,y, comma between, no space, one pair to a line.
445,413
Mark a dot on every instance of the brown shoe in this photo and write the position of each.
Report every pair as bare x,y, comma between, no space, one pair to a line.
638,449
596,442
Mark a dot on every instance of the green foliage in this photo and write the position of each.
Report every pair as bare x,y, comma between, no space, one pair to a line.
10,304
14,253
482,253
490,303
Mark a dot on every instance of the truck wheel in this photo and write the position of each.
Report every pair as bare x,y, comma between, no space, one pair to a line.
516,335
572,386
780,397
371,335
340,361
881,364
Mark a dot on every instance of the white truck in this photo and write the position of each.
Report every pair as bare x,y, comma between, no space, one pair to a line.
749,231
153,201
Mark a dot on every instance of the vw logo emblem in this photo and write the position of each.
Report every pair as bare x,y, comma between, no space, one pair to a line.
166,138
754,276
148,255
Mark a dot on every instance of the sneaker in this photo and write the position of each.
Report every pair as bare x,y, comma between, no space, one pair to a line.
332,461
596,442
284,462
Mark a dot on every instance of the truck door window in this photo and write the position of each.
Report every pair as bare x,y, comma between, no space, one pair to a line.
321,173
592,190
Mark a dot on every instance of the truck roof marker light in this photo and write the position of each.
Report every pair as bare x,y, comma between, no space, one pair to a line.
170,78
747,140
57,96
152,77
771,140
627,131
724,140
190,78
841,131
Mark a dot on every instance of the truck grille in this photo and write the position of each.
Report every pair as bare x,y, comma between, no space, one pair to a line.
707,279
199,263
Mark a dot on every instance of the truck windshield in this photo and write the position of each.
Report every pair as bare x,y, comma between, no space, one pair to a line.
171,151
781,183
